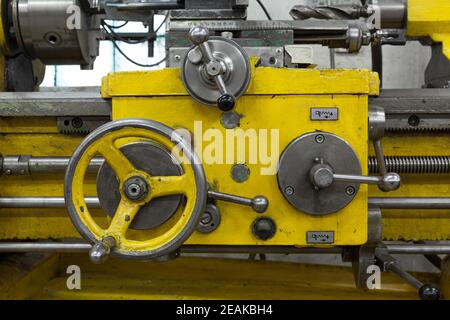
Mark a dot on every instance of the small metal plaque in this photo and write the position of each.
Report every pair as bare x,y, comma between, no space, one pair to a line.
320,237
324,114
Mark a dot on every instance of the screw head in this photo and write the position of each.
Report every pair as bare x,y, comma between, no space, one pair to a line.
210,219
206,218
350,191
77,123
320,138
413,121
289,191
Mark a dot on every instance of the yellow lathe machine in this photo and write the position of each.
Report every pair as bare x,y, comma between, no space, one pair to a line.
239,146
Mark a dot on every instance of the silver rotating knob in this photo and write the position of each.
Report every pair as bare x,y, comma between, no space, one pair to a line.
216,71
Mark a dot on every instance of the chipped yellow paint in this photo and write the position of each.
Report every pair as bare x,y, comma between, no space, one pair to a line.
430,18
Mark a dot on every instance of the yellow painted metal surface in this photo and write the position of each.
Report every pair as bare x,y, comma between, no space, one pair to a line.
278,99
430,18
265,81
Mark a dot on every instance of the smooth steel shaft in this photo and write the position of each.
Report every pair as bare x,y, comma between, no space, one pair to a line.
81,246
382,203
393,267
410,203
229,198
23,247
29,165
426,249
356,179
42,202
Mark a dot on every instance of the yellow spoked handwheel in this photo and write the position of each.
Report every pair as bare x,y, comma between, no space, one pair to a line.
137,188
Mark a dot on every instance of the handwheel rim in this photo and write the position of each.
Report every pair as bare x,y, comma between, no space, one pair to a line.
170,135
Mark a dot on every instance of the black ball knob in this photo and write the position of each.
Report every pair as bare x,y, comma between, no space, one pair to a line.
264,228
429,292
226,102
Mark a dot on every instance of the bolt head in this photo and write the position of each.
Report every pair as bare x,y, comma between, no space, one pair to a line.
135,189
322,176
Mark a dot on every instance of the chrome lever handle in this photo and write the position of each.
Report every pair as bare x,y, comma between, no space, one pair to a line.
259,204
322,176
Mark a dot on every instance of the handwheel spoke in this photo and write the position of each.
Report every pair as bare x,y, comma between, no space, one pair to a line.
166,186
119,163
124,216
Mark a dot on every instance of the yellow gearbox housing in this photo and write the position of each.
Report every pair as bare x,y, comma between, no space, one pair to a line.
278,101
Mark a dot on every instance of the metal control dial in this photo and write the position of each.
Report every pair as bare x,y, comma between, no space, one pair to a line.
216,71
294,175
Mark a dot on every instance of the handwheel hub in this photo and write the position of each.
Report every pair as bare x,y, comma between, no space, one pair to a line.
136,189
151,159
